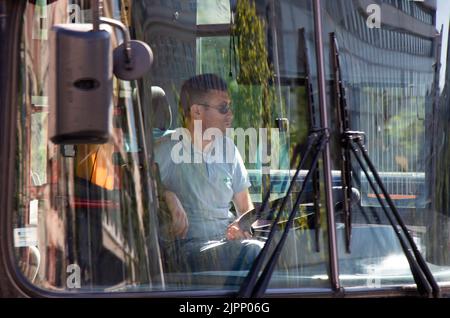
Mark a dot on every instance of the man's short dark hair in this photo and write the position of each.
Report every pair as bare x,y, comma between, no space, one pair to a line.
195,89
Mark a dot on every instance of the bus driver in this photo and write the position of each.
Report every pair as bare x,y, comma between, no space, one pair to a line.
198,193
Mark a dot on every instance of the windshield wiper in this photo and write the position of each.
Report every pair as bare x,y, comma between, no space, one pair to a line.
425,281
252,286
313,126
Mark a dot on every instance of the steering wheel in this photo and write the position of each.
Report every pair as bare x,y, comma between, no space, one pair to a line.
260,227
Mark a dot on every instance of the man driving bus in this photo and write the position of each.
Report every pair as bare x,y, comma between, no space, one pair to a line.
202,173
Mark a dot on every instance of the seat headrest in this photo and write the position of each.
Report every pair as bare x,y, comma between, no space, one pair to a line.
161,112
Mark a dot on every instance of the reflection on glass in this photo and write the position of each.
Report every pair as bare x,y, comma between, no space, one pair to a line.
84,213
94,218
39,148
213,12
394,92
266,93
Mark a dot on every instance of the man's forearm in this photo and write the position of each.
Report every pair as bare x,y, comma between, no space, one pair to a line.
243,202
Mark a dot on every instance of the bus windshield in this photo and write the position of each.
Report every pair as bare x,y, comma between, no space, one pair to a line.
210,149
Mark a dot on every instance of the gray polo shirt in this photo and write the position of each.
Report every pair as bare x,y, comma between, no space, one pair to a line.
205,188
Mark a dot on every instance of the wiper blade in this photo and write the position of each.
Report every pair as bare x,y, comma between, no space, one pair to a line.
303,50
344,124
250,283
263,281
423,277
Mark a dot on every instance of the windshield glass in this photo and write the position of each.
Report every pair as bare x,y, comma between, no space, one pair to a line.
84,213
115,217
204,146
393,62
232,106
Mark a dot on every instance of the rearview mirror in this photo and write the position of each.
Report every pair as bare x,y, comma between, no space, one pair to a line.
81,68
80,96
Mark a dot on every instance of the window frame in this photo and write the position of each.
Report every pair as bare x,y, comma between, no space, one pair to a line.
13,283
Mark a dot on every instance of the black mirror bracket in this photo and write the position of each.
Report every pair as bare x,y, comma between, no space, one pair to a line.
129,54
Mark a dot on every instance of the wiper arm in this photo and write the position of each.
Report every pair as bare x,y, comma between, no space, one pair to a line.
263,281
423,277
250,283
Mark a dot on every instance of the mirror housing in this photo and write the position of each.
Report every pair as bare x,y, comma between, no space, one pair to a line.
142,59
81,84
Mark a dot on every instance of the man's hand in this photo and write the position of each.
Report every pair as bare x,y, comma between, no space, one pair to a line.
234,232
180,224
243,204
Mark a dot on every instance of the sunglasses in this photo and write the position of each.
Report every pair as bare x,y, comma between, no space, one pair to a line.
223,109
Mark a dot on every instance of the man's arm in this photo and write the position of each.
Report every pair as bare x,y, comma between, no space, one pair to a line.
243,204
180,225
